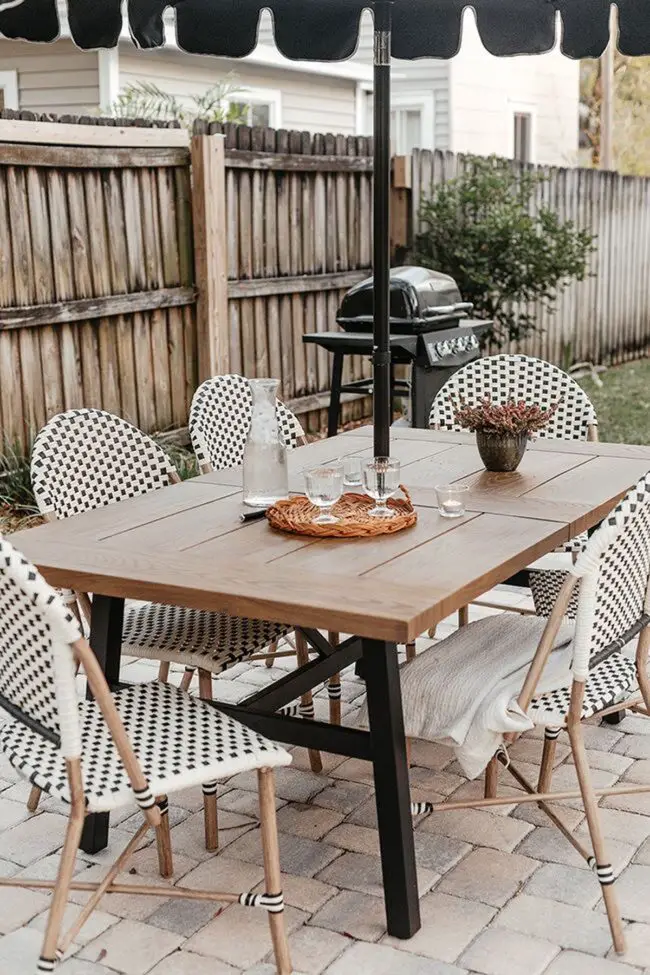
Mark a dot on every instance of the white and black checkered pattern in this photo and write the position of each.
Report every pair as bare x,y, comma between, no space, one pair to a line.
545,585
521,377
614,570
37,674
179,740
85,459
220,418
211,641
606,684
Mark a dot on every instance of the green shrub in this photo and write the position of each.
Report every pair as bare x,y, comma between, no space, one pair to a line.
505,252
15,482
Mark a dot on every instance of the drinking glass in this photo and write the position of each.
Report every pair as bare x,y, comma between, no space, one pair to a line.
381,480
452,499
324,486
353,471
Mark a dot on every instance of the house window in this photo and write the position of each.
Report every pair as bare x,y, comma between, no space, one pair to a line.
523,137
406,130
8,89
412,121
258,107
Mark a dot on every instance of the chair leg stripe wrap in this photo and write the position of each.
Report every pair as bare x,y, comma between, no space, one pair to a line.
210,788
163,805
306,711
290,711
418,808
334,691
552,734
605,874
45,964
273,903
144,798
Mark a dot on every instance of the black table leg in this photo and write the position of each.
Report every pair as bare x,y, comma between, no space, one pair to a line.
335,396
106,641
392,788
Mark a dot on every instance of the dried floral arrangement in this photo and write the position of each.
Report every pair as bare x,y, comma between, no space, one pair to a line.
512,418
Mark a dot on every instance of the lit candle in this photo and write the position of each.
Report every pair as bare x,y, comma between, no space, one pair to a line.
452,508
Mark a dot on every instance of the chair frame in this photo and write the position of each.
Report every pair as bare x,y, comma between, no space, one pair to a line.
156,817
541,794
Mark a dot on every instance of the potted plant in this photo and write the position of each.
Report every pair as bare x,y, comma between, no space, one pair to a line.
502,429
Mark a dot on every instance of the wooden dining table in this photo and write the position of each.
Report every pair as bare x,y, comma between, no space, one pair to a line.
186,545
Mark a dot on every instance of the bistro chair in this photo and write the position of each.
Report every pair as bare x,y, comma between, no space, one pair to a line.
613,607
220,418
86,459
523,377
132,747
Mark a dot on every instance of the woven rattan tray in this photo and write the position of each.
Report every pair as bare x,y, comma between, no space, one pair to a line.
297,515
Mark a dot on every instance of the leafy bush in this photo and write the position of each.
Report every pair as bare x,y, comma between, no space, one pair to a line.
144,99
505,252
16,492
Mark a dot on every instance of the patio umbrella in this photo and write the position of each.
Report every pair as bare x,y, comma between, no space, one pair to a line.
327,30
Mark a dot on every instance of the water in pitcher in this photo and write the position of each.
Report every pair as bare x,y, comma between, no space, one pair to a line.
265,455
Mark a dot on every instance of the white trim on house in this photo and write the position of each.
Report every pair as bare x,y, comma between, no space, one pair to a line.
260,96
9,87
522,108
108,66
417,101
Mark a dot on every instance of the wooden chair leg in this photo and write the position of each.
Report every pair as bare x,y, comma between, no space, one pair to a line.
211,816
65,873
603,867
205,685
272,649
188,676
551,736
307,700
410,650
463,616
431,633
34,799
163,671
164,840
272,874
492,778
334,687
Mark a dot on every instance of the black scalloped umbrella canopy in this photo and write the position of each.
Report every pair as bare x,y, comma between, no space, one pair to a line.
328,30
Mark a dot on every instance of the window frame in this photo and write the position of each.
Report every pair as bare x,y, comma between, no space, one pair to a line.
420,100
9,86
260,96
522,108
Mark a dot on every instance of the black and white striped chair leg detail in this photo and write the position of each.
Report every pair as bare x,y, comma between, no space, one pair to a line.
421,808
163,839
273,903
334,694
307,700
551,736
211,816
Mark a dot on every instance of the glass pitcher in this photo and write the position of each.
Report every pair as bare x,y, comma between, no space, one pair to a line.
265,455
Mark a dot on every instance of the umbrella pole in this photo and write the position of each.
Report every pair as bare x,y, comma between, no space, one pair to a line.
382,392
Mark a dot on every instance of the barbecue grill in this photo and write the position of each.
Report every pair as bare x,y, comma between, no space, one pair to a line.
429,330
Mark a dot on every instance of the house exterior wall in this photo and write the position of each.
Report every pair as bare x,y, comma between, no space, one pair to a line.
485,91
54,77
308,101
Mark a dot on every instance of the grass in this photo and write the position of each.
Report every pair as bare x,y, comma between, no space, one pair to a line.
623,402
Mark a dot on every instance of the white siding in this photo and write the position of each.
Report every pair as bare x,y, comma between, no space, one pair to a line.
485,91
415,77
56,78
309,101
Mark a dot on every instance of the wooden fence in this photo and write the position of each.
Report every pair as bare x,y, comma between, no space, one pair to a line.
136,261
96,274
606,318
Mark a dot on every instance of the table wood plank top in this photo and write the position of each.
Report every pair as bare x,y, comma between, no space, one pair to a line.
186,545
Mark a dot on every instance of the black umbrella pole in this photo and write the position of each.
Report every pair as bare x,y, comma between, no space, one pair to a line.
382,405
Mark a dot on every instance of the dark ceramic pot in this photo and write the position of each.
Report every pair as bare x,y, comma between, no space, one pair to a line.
501,452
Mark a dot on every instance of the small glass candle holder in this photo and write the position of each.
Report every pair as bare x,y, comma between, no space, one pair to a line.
381,480
452,499
353,471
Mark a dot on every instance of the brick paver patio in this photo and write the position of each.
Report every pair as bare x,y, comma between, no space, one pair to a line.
502,893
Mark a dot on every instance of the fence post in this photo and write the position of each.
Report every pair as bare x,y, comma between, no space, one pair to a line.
400,207
210,254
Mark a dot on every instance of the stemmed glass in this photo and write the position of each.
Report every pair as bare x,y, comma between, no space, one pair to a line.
381,480
324,486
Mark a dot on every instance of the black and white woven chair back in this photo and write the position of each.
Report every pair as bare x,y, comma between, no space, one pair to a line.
220,418
85,459
614,573
37,673
523,377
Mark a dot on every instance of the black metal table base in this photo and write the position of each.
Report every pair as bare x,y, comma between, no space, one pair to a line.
384,745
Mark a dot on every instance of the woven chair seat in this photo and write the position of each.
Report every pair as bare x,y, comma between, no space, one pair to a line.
179,740
607,683
211,641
